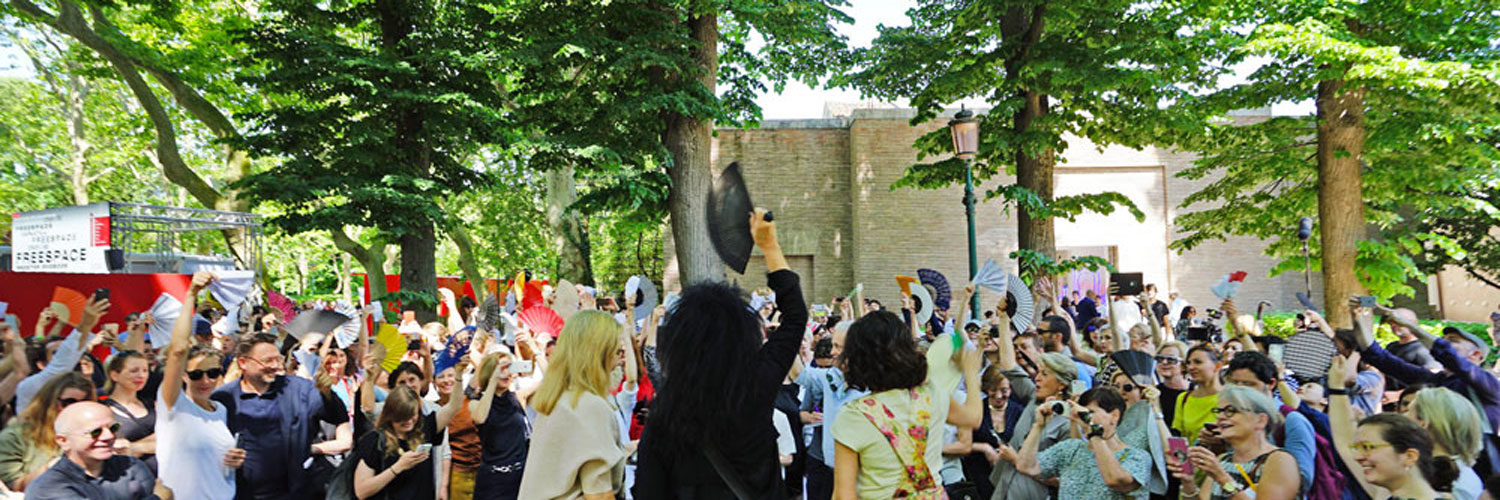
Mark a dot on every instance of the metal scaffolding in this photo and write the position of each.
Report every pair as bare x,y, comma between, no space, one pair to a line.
136,223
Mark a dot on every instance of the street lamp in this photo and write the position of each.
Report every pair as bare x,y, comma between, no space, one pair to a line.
965,130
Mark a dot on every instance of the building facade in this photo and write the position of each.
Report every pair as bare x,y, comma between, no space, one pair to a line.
829,183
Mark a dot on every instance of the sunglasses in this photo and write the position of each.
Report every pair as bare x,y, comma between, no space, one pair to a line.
1168,360
212,373
114,429
66,402
1127,387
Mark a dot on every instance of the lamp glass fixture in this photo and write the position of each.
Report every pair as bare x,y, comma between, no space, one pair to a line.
965,130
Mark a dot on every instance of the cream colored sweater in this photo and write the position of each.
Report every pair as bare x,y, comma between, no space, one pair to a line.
574,451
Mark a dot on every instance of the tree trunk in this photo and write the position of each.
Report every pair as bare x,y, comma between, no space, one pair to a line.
372,259
466,260
419,264
689,140
1341,209
570,236
1035,173
78,140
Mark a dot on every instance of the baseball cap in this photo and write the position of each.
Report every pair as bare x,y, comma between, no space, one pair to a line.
1484,347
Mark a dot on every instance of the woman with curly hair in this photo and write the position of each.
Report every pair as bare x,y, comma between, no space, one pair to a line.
889,443
710,432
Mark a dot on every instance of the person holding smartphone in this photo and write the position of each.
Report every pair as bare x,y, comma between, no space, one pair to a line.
396,458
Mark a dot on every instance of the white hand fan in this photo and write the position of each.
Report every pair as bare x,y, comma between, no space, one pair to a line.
991,276
924,304
164,315
1025,303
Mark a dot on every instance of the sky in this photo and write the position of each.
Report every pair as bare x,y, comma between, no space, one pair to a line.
797,101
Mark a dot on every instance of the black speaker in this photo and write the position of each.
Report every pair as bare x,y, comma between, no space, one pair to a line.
115,258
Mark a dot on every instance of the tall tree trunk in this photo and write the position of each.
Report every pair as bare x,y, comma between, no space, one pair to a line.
689,140
1035,173
419,264
570,236
1341,208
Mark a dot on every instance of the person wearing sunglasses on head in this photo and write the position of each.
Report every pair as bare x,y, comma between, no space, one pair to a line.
196,453
89,467
28,444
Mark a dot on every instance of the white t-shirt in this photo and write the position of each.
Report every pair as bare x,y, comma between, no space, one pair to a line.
190,447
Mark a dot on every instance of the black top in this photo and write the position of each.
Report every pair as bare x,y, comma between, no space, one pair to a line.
135,428
505,435
418,482
123,478
1168,401
747,441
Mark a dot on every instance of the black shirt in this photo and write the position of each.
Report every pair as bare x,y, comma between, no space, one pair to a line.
505,435
135,428
123,478
418,482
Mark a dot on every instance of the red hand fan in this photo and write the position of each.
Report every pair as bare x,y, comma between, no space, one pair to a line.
541,319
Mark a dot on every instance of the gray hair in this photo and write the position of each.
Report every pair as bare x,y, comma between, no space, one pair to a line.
1452,421
1250,400
1062,366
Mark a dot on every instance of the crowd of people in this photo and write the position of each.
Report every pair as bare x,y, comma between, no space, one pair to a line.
720,397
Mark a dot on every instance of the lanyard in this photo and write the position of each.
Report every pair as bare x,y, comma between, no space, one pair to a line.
1248,481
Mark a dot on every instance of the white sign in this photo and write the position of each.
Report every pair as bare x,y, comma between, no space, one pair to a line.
61,240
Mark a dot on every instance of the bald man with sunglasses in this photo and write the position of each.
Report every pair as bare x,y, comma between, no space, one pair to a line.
89,467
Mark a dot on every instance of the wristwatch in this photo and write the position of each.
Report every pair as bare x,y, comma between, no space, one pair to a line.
1230,488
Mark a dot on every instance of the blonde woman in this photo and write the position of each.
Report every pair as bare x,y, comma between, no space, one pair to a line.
575,449
1454,425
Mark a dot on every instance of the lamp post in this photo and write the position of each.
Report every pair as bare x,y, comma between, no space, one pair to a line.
965,130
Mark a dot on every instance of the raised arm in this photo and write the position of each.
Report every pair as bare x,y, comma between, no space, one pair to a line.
455,318
182,339
632,368
15,360
137,329
1341,419
1026,461
479,411
1006,346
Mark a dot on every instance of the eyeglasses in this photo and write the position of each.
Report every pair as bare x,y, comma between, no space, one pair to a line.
275,361
212,373
1169,360
114,429
1365,447
1226,412
66,402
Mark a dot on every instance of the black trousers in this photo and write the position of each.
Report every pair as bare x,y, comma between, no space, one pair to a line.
819,480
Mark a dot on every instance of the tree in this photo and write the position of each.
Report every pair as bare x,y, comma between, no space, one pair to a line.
1406,111
376,105
185,55
634,87
1101,70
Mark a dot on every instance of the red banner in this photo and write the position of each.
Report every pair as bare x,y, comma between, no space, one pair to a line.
30,293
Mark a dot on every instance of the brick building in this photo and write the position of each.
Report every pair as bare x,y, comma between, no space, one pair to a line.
828,181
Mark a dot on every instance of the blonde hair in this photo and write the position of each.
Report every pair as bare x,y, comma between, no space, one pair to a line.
588,341
487,367
40,413
1452,421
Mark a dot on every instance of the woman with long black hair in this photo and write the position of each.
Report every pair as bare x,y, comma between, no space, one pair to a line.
710,435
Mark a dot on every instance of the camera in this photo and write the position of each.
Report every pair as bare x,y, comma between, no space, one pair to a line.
1059,408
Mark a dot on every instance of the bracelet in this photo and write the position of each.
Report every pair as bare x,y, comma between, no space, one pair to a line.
1336,392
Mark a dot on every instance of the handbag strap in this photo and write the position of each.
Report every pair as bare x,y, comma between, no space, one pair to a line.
735,482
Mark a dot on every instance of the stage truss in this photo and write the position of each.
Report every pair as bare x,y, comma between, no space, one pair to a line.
161,227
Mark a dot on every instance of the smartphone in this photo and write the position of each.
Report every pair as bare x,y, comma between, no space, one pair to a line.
101,294
1366,301
424,447
1178,448
521,367
1126,284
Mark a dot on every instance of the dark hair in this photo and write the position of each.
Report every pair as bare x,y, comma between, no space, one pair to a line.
705,347
823,348
248,343
880,354
201,350
1106,398
403,368
1186,310
1056,324
1259,364
1347,338
36,350
1404,434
